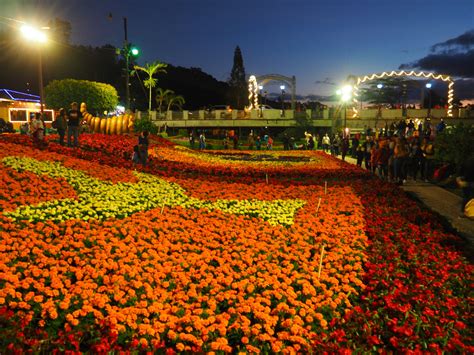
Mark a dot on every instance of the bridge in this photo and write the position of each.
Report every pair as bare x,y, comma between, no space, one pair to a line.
326,118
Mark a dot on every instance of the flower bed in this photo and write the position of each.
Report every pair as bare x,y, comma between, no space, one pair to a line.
195,253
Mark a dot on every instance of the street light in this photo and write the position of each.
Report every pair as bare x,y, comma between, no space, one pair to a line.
346,95
428,86
379,110
282,88
260,88
127,51
39,37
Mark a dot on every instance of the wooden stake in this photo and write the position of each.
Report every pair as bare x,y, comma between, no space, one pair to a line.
266,178
162,208
321,262
325,187
319,204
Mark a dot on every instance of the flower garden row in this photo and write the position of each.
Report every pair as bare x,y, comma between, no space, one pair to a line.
198,253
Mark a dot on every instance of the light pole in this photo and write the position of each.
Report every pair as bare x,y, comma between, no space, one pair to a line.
379,111
127,52
39,37
428,86
260,88
282,88
346,95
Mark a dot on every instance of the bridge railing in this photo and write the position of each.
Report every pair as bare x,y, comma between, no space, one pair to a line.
326,114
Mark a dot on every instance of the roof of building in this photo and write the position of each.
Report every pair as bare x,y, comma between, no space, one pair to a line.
18,96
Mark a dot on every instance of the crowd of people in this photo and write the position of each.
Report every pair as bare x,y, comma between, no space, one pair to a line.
65,122
394,154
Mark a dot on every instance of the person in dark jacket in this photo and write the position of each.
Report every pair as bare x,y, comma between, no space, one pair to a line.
61,125
73,123
143,147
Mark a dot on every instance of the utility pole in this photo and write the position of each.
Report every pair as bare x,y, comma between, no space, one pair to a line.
127,64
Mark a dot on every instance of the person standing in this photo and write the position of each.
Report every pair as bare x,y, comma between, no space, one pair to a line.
354,146
344,147
416,158
37,129
310,142
440,126
400,154
428,156
251,140
61,125
326,142
235,140
258,143
336,142
191,140
360,153
74,120
202,141
369,146
143,147
269,143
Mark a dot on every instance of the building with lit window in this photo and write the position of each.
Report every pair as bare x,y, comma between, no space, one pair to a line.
17,107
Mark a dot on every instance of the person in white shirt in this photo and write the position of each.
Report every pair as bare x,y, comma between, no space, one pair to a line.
326,142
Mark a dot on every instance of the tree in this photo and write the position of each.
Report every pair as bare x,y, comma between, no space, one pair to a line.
60,30
162,96
393,91
151,69
175,100
237,81
455,145
98,96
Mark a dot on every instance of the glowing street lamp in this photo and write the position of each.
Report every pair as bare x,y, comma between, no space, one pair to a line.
428,86
282,88
38,37
379,86
346,95
260,88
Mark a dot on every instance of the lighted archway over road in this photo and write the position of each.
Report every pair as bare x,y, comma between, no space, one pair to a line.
291,82
357,81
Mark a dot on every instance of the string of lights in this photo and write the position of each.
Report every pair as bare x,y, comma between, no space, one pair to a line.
393,73
253,93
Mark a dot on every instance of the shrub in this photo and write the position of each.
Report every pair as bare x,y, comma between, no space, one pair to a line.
455,145
144,123
99,97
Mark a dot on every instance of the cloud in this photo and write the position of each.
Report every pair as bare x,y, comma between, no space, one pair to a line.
455,64
454,57
464,41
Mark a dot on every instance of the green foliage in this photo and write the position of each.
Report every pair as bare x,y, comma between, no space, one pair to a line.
394,90
151,69
303,124
144,123
176,101
162,96
237,81
455,145
169,98
98,96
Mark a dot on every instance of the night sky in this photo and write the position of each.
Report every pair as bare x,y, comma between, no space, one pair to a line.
310,39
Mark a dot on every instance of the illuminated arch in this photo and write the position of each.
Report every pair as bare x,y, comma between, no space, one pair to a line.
362,79
253,93
263,79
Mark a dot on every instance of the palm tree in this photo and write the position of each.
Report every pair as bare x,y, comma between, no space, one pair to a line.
162,96
151,69
175,100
